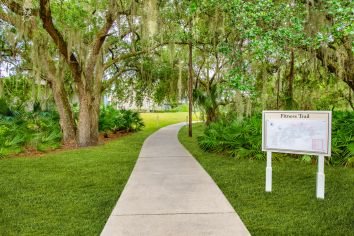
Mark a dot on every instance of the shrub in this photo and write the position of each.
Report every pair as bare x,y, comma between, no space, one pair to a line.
41,130
112,120
4,108
237,138
29,130
243,138
342,139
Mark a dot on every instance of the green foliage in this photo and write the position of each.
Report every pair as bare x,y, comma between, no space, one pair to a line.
38,130
342,139
306,159
206,99
41,130
269,27
4,108
112,120
180,108
342,17
243,138
20,92
239,138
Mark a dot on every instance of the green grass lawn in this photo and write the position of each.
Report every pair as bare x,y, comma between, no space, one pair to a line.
70,192
292,208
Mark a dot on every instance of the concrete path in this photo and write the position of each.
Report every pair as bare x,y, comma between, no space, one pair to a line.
169,193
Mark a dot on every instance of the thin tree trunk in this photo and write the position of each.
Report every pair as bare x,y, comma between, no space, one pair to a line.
278,88
1,87
190,82
289,92
349,99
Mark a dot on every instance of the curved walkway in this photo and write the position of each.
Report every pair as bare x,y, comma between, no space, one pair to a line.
169,193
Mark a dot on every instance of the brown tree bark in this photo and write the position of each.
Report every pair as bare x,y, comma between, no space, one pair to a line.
190,80
88,119
349,63
211,115
67,123
278,86
289,100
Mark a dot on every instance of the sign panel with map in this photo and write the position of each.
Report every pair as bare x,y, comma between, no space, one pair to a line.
299,132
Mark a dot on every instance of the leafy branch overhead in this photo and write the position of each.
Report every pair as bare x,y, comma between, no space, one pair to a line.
246,55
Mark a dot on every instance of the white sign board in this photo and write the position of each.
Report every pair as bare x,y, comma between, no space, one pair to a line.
298,132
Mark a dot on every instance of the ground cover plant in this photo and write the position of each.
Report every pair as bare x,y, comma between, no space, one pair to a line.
291,208
242,138
25,130
113,120
40,130
71,192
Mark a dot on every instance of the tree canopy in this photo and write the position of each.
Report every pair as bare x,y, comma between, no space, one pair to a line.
247,55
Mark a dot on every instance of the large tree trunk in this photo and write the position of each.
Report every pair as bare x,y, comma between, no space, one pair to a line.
88,121
95,113
84,123
67,123
88,118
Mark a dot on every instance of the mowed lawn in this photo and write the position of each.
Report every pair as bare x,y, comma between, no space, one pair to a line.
292,208
70,192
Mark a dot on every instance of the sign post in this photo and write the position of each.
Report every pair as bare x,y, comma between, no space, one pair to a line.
269,172
320,185
297,132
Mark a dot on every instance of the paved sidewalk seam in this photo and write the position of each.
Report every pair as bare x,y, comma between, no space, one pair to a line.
182,213
162,157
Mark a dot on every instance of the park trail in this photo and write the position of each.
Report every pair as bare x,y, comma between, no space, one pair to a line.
169,193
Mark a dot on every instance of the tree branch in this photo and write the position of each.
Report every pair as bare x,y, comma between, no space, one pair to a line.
17,8
46,16
8,19
216,72
110,81
98,42
130,55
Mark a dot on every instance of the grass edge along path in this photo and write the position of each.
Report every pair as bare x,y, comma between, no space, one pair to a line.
71,192
292,207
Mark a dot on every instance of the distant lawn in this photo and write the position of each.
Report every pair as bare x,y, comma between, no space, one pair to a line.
70,192
292,207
